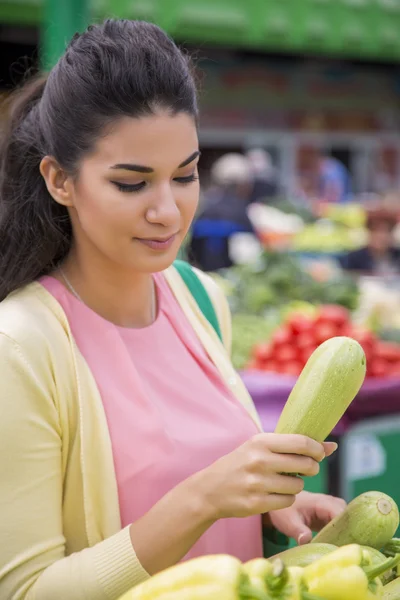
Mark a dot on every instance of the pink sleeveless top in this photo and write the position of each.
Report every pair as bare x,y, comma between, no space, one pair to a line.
168,410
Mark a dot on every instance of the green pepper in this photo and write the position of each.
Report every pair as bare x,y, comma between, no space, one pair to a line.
347,574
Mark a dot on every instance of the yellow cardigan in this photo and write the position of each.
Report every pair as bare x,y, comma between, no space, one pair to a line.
60,529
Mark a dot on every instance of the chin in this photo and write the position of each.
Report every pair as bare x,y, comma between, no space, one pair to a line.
157,262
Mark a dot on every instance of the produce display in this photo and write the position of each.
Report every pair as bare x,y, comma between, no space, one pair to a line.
316,571
329,237
278,279
376,509
290,346
327,385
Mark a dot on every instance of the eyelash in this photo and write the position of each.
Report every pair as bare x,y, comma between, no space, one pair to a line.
137,187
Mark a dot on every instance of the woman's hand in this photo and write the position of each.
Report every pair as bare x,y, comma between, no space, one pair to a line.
257,477
248,481
309,513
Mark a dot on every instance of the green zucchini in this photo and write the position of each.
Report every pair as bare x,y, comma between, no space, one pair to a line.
371,519
391,591
327,385
301,556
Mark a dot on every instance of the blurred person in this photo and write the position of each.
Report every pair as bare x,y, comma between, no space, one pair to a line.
223,213
333,179
127,441
379,256
264,175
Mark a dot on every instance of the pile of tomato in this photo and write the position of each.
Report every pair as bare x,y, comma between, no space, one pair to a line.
293,343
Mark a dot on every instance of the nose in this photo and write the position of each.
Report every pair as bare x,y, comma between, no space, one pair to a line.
163,209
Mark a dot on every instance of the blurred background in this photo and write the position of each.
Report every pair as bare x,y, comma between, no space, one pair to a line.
300,173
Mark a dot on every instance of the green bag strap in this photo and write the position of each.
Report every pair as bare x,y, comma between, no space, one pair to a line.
199,293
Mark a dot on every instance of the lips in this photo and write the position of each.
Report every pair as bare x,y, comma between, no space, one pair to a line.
158,244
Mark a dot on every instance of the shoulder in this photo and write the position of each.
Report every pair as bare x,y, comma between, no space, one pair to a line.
33,320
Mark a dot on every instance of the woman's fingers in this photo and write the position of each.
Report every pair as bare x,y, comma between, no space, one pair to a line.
284,484
277,502
330,448
292,463
292,444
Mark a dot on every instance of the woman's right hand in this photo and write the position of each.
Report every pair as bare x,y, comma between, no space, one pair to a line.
255,478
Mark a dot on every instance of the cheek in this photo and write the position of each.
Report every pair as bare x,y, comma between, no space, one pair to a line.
103,211
188,202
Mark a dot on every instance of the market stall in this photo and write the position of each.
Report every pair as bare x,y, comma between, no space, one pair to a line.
292,297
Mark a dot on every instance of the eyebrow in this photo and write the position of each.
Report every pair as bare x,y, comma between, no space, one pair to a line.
143,169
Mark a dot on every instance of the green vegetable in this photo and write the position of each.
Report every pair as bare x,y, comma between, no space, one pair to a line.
391,591
377,558
371,519
301,556
327,385
248,330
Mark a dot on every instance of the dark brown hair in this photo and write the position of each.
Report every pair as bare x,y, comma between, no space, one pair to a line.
119,68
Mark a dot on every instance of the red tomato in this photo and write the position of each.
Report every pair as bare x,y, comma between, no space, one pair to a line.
262,352
325,331
378,368
395,371
363,336
254,365
293,367
299,323
388,351
281,336
307,351
272,366
306,340
285,353
332,313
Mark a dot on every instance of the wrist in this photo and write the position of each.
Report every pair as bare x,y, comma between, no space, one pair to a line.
204,508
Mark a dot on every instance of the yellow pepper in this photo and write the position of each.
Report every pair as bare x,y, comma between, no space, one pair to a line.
347,574
258,570
281,582
216,577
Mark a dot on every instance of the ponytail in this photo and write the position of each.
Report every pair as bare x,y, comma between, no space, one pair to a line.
119,68
35,231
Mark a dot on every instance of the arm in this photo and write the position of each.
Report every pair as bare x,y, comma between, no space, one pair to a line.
33,563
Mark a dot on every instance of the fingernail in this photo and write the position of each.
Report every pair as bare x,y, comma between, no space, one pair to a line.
336,446
302,538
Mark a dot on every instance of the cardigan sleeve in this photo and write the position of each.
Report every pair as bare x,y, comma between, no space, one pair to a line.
33,562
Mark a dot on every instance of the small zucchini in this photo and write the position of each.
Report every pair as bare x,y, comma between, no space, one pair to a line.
302,556
391,591
371,519
327,385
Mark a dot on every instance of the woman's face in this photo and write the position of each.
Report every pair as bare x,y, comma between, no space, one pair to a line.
136,194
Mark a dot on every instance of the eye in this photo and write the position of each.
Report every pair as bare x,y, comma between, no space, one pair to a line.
186,180
129,187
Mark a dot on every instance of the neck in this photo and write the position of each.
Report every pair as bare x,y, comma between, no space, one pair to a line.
119,295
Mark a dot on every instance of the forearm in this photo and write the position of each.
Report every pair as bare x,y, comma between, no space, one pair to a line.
164,535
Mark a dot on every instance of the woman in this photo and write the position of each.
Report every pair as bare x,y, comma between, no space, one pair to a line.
126,441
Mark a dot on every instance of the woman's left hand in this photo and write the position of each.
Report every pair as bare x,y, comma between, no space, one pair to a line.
309,513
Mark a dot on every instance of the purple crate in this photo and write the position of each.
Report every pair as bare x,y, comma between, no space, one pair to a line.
271,390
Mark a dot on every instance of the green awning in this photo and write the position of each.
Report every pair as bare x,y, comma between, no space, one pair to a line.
350,28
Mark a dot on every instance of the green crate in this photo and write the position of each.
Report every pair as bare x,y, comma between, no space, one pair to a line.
369,458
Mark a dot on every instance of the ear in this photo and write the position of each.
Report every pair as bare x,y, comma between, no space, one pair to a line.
57,181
